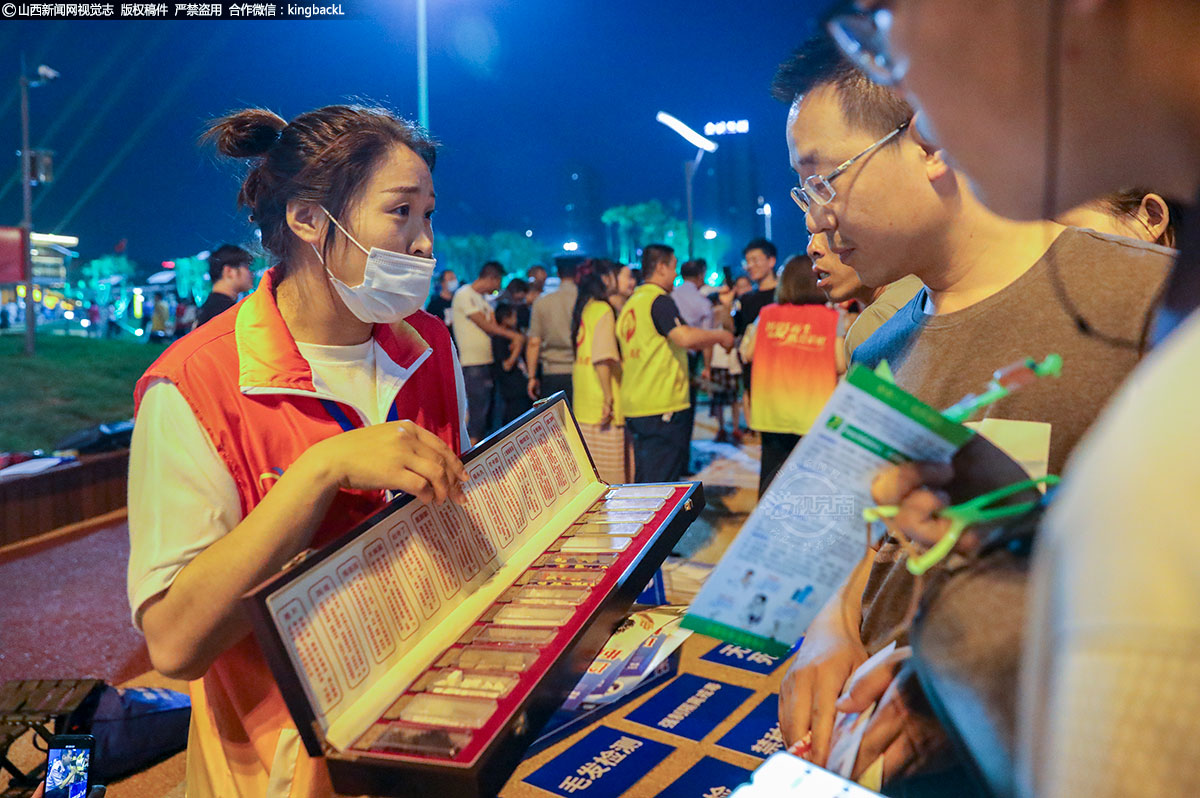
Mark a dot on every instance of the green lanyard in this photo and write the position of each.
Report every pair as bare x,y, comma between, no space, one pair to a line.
961,516
1011,378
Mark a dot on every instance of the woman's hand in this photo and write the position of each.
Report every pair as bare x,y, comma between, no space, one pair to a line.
398,455
606,412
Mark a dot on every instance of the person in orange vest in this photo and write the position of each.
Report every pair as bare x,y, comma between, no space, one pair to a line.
284,422
797,357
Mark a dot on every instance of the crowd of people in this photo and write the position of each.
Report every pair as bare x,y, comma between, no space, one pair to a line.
979,188
634,350
165,317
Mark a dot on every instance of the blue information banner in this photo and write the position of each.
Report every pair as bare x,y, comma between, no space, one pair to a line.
655,593
691,706
604,763
746,659
758,733
708,778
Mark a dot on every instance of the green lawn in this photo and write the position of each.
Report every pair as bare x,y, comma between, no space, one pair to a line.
70,384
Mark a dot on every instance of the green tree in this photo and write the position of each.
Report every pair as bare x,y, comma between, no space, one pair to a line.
518,252
189,279
97,274
617,218
462,254
98,269
465,254
645,223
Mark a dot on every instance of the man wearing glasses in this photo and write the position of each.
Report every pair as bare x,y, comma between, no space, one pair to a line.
1049,103
997,291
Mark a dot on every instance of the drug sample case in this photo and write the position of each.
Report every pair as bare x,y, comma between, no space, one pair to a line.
425,648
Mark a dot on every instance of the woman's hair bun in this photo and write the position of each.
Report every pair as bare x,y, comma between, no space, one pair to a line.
248,133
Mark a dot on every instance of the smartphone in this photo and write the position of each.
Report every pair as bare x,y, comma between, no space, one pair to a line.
68,766
728,276
784,775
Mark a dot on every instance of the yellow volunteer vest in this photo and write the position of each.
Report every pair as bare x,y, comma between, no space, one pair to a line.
655,373
588,399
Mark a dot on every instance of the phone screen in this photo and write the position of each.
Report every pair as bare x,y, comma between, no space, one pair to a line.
786,776
67,764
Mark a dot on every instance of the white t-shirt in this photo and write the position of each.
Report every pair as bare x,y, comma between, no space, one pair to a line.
175,472
1109,699
474,345
727,359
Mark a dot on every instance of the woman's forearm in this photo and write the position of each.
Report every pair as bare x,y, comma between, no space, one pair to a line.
200,615
605,372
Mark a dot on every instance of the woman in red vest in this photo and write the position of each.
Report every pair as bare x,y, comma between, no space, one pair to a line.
283,422
797,357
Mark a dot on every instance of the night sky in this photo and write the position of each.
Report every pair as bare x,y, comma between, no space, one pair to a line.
521,94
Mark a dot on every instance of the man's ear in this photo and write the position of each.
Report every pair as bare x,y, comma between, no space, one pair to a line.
308,222
1156,216
936,166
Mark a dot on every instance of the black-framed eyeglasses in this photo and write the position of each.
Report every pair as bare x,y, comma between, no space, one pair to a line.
862,31
818,189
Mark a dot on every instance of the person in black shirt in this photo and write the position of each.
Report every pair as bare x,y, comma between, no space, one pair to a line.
439,303
536,280
229,270
507,374
760,255
516,293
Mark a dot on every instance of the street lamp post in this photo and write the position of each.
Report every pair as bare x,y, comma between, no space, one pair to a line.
422,64
27,213
45,74
764,210
702,145
689,175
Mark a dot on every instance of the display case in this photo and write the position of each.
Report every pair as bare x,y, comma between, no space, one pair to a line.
425,648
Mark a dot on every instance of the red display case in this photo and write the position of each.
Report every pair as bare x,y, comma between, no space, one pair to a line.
424,649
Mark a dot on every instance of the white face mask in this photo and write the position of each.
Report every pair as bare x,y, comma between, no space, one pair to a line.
394,284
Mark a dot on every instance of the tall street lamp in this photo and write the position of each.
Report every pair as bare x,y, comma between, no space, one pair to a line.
44,75
764,210
422,64
702,146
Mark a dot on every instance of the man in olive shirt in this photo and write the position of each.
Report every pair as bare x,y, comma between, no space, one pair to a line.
550,346
997,291
229,275
842,284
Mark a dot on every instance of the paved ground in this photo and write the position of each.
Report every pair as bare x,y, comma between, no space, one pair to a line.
66,614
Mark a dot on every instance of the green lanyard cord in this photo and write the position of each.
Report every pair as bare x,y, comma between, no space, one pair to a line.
961,516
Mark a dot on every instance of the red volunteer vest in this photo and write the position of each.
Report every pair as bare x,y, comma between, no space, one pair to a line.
253,393
795,368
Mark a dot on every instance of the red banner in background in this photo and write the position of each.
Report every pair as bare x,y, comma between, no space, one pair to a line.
12,255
